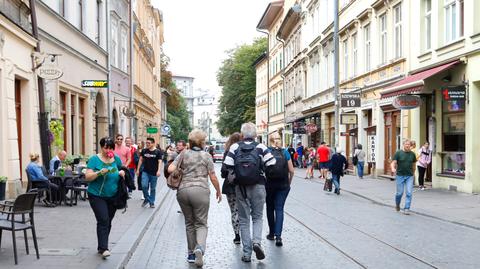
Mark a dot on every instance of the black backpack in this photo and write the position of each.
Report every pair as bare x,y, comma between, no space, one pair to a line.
248,165
278,171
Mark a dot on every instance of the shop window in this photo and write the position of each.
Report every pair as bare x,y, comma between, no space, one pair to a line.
453,132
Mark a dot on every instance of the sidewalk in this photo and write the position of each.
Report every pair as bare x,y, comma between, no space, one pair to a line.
67,235
455,207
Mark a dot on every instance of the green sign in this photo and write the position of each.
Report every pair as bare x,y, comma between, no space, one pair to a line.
152,130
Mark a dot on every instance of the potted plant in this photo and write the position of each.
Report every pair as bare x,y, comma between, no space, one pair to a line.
3,184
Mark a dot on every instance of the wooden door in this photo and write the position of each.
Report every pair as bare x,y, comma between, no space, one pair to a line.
392,132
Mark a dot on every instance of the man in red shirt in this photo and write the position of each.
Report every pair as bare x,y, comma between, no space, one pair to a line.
132,165
122,151
323,154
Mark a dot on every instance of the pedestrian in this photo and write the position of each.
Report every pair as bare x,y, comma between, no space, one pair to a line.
423,160
228,188
103,172
39,180
56,161
151,160
311,163
403,165
122,151
323,155
132,165
359,154
247,159
279,179
139,168
168,151
193,194
300,154
291,150
181,145
339,165
211,151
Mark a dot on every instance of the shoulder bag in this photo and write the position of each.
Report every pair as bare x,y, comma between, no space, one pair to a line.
175,178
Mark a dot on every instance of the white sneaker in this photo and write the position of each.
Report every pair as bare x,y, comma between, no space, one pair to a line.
406,211
106,254
198,257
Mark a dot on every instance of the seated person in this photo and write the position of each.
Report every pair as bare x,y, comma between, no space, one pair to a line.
56,161
39,180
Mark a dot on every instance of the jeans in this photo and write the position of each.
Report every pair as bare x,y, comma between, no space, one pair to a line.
250,202
195,203
360,166
421,175
402,182
104,212
132,177
149,181
300,161
276,198
336,181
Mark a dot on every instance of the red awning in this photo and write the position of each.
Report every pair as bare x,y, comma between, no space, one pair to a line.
415,82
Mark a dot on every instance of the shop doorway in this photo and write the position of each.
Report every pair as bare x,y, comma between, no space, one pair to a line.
392,138
18,114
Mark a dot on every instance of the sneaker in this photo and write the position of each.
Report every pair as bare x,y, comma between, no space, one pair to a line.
422,188
258,251
246,259
397,208
130,195
236,240
106,254
278,241
145,203
270,237
152,205
198,257
406,211
191,258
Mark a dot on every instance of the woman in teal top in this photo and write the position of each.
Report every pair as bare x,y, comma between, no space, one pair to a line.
103,171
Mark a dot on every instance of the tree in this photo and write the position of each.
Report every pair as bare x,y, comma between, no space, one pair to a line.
237,77
177,114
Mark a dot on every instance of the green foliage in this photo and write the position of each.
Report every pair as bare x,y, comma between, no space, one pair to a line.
56,127
3,179
237,78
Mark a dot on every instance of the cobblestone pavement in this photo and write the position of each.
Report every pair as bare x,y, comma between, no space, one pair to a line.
322,230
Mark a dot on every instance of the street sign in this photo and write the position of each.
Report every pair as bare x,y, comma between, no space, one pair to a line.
348,118
407,102
166,129
350,100
94,83
152,130
49,71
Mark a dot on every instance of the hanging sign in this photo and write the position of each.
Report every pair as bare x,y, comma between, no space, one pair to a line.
299,127
49,71
454,93
311,128
152,130
348,118
350,100
407,102
94,83
371,144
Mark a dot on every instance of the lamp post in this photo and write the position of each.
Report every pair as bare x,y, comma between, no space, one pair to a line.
336,74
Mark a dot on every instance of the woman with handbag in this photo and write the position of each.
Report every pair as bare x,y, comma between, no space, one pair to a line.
103,172
193,195
359,160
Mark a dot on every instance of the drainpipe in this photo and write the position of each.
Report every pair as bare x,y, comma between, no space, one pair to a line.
268,78
42,114
131,66
283,79
336,75
109,68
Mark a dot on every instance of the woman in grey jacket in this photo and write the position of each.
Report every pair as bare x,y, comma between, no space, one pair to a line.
360,154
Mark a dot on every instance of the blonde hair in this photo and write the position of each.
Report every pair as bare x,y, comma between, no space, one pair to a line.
34,156
275,140
196,138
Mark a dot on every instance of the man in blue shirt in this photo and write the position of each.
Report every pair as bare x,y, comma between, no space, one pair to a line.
300,154
56,161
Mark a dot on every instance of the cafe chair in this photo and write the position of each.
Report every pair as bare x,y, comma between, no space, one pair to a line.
40,191
22,205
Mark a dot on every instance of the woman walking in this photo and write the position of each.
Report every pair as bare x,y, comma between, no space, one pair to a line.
311,161
360,155
103,172
228,188
423,160
193,194
277,188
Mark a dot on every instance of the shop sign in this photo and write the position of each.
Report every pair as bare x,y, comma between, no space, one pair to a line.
299,127
407,102
348,118
350,100
454,93
152,130
94,83
348,134
49,71
311,128
371,144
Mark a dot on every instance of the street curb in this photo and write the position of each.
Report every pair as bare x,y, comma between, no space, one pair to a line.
127,244
318,181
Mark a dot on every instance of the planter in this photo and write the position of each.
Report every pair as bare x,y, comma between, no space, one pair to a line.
3,186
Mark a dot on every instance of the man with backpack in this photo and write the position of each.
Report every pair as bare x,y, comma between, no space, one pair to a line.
247,159
279,178
151,158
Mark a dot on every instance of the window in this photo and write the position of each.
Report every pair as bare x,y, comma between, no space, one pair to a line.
97,21
368,46
114,42
397,18
81,124
123,50
345,59
355,55
453,133
383,38
80,15
453,20
63,117
428,24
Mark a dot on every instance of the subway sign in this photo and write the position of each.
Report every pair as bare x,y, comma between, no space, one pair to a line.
94,84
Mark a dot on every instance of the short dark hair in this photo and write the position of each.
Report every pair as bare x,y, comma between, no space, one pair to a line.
182,142
323,143
107,142
118,135
151,139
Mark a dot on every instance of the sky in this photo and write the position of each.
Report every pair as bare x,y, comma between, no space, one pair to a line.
197,34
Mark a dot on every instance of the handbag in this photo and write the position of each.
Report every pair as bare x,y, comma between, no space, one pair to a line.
175,178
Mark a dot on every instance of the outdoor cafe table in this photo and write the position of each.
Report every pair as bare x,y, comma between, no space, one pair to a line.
61,181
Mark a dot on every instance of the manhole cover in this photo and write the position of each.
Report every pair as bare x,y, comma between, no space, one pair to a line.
59,251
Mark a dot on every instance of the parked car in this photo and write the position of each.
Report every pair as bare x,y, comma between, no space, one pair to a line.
219,150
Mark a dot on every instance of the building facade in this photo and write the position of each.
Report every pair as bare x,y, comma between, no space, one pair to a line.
205,107
185,86
261,97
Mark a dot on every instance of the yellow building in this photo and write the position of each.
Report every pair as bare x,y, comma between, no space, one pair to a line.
261,99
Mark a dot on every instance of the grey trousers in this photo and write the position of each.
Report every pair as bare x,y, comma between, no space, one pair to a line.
250,202
195,202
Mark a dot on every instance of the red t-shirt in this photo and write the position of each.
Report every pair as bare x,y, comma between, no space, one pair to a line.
323,154
132,162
